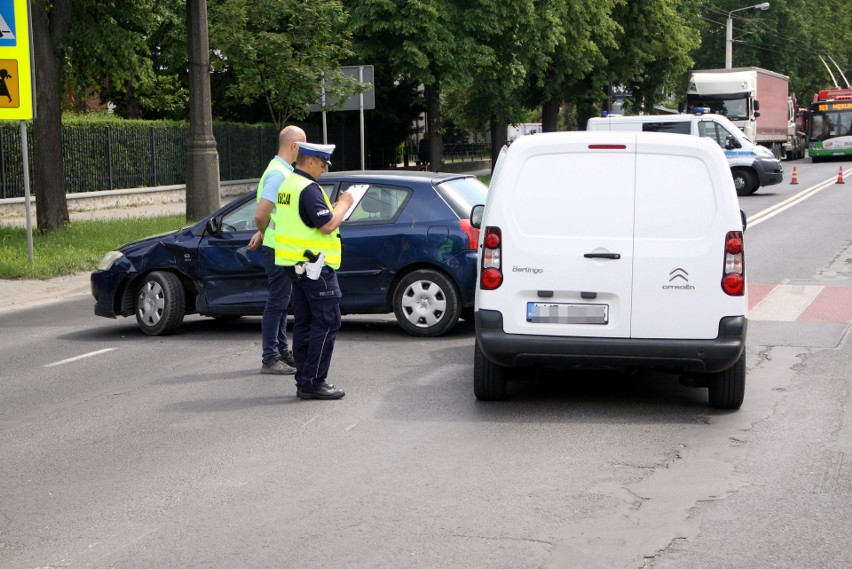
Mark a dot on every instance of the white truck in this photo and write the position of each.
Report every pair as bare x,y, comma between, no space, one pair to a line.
756,100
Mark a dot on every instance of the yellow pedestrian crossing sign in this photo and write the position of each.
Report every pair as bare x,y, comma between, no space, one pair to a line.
16,94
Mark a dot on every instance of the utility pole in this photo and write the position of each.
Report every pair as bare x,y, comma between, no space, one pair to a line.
729,32
202,158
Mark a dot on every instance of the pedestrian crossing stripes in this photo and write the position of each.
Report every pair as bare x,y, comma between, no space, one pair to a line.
802,303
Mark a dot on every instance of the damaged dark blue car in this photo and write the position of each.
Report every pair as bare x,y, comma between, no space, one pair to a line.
408,248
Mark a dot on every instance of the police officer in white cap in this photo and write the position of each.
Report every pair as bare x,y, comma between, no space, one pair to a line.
307,244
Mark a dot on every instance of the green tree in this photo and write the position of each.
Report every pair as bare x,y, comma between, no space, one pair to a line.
653,49
281,52
84,44
506,41
574,70
792,37
420,42
158,89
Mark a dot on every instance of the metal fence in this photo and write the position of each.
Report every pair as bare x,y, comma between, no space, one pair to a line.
106,157
100,157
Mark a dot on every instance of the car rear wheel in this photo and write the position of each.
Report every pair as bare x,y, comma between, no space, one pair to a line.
160,303
489,379
727,388
426,303
744,182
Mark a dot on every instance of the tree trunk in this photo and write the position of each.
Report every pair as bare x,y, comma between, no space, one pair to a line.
131,102
434,127
49,31
549,115
499,134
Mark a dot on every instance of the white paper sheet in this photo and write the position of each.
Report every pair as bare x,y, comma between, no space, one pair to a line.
357,191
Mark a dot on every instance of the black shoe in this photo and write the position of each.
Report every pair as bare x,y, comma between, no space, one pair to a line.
327,391
288,358
299,389
277,367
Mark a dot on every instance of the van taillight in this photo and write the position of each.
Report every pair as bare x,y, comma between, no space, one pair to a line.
733,275
491,275
471,232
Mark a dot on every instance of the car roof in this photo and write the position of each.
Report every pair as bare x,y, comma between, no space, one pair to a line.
392,175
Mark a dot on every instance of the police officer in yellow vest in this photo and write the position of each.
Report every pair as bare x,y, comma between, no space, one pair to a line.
307,244
276,356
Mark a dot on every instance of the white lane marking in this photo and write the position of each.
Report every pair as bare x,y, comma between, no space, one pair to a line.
774,210
784,303
75,358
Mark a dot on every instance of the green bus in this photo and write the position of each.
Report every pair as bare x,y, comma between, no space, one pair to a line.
830,124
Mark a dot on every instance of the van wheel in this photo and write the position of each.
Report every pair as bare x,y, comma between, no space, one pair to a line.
744,182
727,388
426,303
160,303
489,379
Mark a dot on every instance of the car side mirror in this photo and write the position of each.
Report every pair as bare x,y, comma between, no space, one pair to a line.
743,217
213,226
476,215
731,143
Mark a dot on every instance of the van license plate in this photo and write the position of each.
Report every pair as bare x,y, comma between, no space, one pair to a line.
549,313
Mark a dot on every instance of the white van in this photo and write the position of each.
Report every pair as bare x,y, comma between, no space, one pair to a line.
752,165
612,250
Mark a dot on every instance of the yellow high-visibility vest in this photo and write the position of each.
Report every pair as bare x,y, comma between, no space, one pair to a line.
275,165
292,236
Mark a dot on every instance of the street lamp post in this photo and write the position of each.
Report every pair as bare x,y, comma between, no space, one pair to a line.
729,39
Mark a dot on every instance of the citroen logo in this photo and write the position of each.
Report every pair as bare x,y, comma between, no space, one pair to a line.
679,273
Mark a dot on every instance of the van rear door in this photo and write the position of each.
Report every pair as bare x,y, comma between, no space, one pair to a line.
567,223
683,211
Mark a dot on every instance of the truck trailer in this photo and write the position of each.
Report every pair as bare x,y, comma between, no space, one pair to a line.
756,100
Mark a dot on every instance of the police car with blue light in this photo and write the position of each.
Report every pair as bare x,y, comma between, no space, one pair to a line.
752,165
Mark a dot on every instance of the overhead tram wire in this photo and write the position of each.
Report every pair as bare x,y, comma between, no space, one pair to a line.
761,23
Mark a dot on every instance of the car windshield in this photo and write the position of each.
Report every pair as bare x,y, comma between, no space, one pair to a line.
462,194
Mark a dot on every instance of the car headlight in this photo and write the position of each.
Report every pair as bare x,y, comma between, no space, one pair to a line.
109,260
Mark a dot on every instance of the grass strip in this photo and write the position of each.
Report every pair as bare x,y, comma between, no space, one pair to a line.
75,248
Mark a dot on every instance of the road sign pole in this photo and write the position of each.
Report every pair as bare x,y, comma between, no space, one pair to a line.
361,109
27,206
324,123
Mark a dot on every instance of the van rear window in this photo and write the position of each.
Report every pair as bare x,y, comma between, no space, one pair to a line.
680,127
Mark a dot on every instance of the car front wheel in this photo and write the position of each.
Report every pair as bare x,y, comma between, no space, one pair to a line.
426,303
744,182
160,303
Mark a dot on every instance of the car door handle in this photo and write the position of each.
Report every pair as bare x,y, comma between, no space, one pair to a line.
602,255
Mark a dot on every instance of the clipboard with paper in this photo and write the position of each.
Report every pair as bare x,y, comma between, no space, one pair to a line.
357,191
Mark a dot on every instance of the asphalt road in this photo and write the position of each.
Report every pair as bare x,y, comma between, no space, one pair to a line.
121,450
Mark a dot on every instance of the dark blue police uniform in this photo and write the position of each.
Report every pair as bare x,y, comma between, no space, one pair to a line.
316,303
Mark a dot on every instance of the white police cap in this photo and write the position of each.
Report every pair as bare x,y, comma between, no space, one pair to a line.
323,151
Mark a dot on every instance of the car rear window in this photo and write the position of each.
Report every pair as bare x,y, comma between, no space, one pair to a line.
462,194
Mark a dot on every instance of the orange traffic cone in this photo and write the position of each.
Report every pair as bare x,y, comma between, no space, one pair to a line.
840,176
795,179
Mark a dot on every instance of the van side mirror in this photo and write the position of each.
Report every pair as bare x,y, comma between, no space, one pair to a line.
476,215
732,143
743,217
